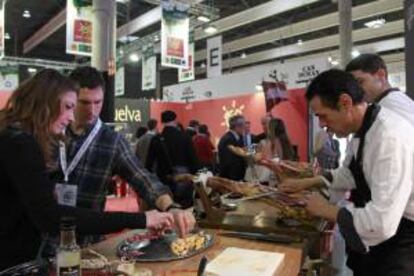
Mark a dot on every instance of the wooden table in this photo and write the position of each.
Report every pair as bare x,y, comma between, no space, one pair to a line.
290,266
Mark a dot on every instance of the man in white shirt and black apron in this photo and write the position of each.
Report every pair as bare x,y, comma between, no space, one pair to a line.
372,75
378,226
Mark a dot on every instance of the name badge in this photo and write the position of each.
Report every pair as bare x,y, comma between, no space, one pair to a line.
66,194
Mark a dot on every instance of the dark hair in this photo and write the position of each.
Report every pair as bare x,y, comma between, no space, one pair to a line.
140,131
193,123
329,85
233,121
369,63
35,105
277,129
203,129
180,127
87,77
152,124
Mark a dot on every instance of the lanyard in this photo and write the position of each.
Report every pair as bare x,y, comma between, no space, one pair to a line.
62,150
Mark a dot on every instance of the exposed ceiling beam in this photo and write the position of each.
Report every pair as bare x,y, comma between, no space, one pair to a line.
251,15
315,44
149,18
45,31
391,28
311,25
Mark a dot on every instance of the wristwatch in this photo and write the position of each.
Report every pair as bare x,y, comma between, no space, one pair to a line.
174,205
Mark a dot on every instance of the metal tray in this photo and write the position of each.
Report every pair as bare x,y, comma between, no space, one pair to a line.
159,250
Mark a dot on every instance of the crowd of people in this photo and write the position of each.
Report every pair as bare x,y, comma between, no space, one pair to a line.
58,160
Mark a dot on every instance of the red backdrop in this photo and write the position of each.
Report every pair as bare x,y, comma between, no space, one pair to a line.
216,112
4,96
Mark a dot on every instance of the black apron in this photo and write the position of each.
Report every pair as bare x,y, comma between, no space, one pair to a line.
394,256
385,94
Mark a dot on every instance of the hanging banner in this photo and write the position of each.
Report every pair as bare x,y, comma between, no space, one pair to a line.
9,77
275,92
2,45
79,27
175,28
149,69
120,81
188,74
214,60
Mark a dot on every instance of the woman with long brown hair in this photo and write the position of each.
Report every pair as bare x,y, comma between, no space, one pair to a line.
34,118
278,143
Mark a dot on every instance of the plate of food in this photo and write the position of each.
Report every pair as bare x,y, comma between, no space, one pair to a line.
149,247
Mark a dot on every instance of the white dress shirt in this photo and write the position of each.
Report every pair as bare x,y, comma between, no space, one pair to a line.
400,103
388,166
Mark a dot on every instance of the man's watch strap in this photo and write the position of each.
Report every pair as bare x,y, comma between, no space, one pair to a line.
174,205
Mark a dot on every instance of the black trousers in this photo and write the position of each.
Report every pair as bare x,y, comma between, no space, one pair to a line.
394,257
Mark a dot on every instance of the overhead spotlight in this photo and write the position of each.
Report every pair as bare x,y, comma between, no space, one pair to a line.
335,62
31,70
243,55
210,29
203,18
375,24
259,87
26,14
121,52
203,65
134,57
300,42
7,36
156,38
330,59
355,53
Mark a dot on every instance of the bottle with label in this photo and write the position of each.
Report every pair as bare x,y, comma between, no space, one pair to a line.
68,255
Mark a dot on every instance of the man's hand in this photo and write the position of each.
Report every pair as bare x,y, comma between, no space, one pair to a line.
158,221
184,221
291,185
318,206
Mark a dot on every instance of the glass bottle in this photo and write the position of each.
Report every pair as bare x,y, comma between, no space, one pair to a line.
68,255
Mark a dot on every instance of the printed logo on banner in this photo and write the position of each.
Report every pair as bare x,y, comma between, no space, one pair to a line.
79,27
307,74
231,111
188,94
120,81
175,28
214,60
9,77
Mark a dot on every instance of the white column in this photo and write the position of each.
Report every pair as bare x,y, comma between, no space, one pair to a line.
345,30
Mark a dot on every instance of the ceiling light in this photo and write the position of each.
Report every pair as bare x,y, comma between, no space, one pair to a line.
243,55
203,65
156,38
330,59
134,57
122,1
203,18
210,29
26,14
259,87
355,53
335,62
128,38
374,24
300,42
7,36
32,70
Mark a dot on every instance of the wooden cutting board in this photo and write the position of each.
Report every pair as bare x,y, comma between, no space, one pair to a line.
245,262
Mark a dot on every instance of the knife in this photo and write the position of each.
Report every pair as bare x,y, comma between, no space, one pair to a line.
271,237
255,196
